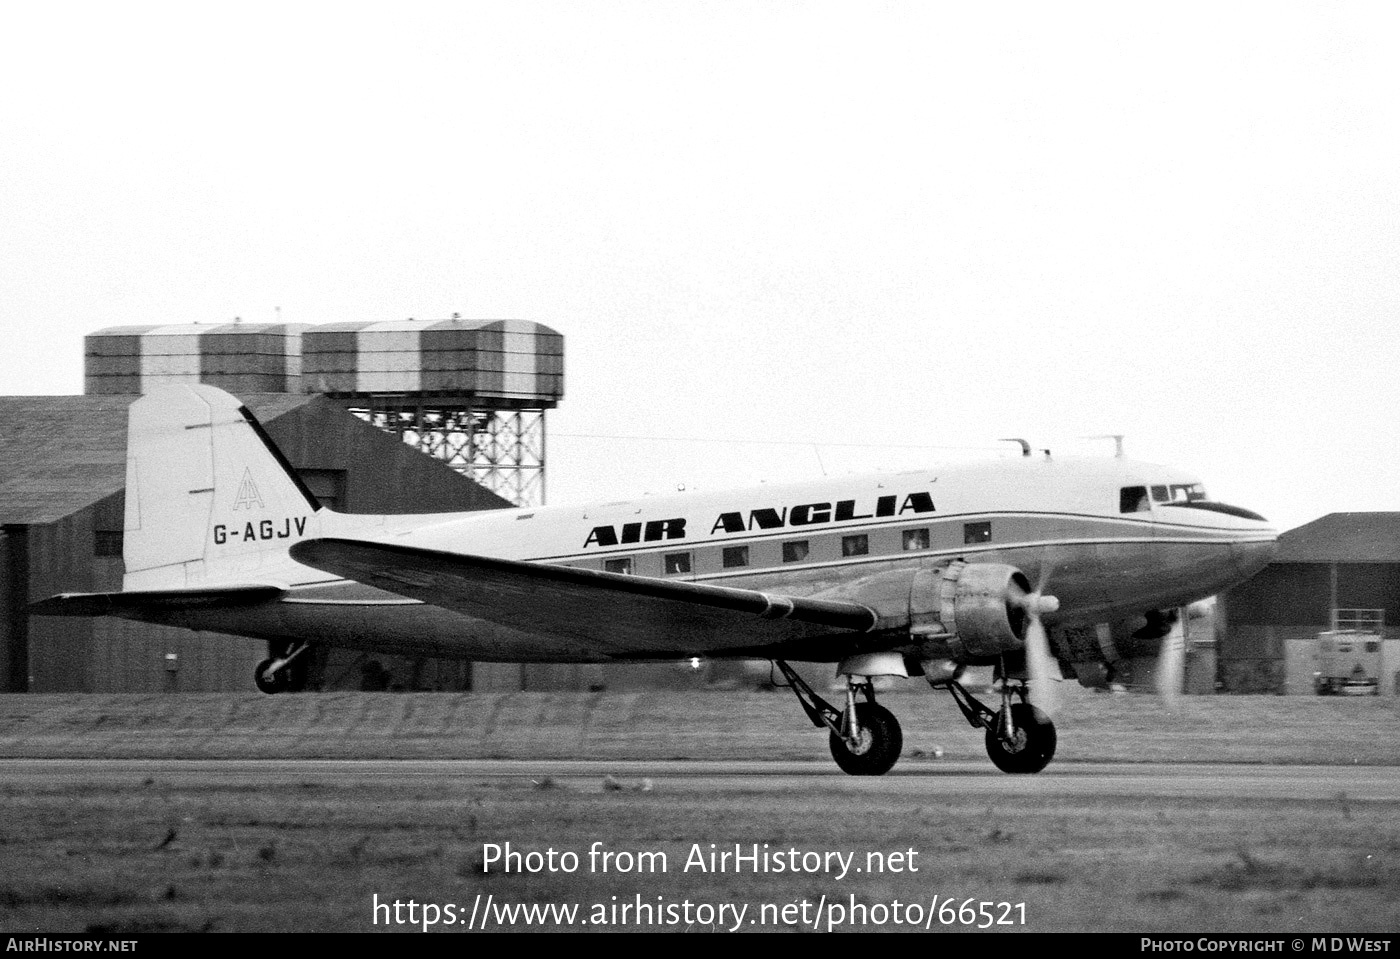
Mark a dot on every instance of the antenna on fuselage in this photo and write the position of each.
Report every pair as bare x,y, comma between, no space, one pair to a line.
1117,442
1025,447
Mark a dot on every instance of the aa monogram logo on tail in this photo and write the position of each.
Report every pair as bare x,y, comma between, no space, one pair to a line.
249,498
248,494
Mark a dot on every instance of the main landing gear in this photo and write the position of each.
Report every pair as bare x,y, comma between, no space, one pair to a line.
274,675
1020,738
866,739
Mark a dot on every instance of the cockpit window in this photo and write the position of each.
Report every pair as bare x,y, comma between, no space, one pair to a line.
1188,493
1133,499
1139,499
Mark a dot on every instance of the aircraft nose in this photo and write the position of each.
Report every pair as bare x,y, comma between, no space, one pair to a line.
1254,554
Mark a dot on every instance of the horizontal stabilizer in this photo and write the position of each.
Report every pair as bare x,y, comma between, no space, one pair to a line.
587,604
154,600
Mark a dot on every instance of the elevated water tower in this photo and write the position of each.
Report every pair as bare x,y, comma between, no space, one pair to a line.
472,393
238,357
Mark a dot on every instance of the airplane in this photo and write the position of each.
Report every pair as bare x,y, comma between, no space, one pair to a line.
1029,564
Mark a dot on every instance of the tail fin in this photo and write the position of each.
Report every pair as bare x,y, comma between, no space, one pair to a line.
209,497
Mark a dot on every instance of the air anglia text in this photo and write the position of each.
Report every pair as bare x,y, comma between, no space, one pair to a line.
737,521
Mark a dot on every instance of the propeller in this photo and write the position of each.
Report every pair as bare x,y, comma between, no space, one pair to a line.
1040,664
1171,662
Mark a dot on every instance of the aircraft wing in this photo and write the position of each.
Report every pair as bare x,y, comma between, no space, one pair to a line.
618,614
117,604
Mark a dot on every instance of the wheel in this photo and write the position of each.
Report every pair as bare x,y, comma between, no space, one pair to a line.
274,684
1033,747
880,743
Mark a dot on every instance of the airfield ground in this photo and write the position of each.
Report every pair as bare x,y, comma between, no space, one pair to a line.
128,834
726,725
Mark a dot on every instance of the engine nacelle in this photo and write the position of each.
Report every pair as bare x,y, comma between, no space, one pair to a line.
974,610
1120,654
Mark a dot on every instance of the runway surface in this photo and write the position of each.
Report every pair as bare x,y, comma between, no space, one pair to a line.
913,778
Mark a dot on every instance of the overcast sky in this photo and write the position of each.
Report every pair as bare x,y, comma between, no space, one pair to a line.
885,225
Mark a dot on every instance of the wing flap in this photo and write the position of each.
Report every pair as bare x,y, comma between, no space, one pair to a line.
148,600
619,613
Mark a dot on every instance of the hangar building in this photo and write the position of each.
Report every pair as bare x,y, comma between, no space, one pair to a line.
61,515
1269,626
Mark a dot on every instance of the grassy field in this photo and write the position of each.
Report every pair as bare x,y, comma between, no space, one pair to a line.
150,854
672,725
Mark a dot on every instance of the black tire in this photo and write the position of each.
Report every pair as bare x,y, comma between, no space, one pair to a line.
274,685
1034,746
881,742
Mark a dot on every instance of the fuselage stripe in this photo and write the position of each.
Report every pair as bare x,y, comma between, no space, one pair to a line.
806,532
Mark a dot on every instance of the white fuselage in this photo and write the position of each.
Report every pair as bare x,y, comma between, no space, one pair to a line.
1061,522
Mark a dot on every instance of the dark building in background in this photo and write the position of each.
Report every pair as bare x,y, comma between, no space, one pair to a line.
1269,626
62,480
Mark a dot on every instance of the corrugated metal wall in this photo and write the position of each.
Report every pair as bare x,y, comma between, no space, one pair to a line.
14,624
129,657
75,654
61,561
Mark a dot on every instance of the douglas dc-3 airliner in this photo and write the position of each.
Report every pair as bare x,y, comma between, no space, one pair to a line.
920,573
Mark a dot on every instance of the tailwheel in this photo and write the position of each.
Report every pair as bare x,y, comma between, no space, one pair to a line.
276,675
270,680
1025,744
873,747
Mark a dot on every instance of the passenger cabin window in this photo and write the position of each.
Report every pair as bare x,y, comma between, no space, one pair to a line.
977,532
623,566
795,551
676,563
915,539
1160,494
855,545
736,556
1133,499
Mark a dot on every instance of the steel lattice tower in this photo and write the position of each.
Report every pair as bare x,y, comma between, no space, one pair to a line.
471,393
501,449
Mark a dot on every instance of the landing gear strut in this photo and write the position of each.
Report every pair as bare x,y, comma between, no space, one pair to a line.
865,737
1020,738
272,675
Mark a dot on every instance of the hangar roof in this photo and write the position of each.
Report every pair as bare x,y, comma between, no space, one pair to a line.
1343,538
59,454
